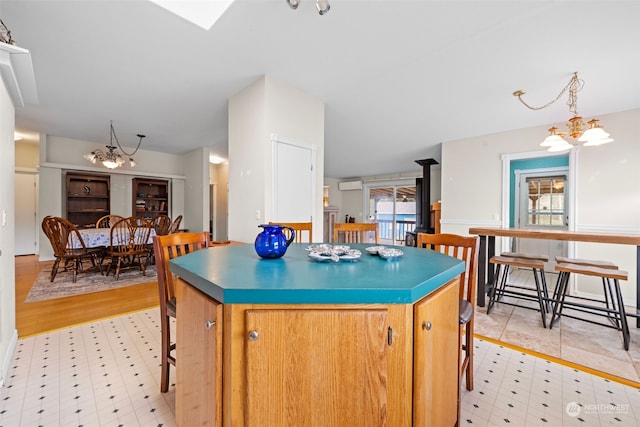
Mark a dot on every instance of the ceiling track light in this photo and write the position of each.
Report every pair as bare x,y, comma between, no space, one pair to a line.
591,136
322,6
112,158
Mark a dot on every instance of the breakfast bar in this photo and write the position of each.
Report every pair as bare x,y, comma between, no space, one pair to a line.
294,341
488,244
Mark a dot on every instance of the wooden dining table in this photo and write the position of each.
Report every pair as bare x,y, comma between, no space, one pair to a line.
487,250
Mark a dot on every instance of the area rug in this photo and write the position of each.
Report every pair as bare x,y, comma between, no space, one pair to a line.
63,285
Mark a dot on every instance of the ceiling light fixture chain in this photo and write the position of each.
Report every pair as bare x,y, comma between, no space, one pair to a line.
574,85
114,136
593,135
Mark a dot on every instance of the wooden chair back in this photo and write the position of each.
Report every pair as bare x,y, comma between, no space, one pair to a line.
461,247
466,249
130,235
107,221
161,224
299,228
165,248
68,245
168,247
60,233
175,225
355,232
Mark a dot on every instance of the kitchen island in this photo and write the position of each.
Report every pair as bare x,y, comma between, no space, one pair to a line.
292,341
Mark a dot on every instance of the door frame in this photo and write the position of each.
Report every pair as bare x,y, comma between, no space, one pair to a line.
571,194
393,183
520,203
36,189
277,140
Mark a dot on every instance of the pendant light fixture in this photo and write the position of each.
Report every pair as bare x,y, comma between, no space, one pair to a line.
592,135
112,158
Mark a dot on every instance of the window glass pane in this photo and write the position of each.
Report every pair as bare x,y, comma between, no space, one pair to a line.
546,201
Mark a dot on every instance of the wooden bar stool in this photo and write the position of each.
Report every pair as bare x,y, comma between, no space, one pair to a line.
614,311
593,263
501,288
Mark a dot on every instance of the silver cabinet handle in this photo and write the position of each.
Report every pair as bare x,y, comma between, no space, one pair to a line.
209,323
253,335
426,325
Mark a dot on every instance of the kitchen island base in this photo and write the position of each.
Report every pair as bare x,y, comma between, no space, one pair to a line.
317,364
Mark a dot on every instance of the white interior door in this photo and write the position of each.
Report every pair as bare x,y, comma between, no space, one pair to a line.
542,204
25,213
294,182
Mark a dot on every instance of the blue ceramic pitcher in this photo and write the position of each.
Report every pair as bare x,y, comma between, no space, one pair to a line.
271,242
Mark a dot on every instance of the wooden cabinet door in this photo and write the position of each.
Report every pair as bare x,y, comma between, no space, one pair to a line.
198,358
436,341
316,367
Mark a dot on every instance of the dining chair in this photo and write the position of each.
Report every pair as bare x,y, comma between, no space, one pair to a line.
299,228
466,249
69,247
175,225
161,224
128,245
166,248
107,221
355,232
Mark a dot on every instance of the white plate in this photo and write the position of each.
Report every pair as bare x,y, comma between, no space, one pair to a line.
373,250
321,258
352,255
390,254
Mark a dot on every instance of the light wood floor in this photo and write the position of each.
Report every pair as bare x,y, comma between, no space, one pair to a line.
44,316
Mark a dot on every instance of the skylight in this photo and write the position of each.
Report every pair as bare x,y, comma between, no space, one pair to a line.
203,13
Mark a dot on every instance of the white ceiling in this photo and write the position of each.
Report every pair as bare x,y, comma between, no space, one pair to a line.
397,77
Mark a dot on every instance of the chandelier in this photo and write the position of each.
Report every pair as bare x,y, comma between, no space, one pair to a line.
112,158
592,135
323,6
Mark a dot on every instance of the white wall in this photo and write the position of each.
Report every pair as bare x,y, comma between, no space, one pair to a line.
264,108
196,194
607,187
8,333
27,155
220,178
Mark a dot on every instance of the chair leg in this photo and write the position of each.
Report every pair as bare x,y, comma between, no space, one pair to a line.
623,316
560,293
492,294
469,353
164,372
541,301
54,269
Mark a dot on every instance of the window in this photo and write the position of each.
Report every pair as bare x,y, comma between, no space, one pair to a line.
546,201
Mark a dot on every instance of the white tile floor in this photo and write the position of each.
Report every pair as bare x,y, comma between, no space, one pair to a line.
107,374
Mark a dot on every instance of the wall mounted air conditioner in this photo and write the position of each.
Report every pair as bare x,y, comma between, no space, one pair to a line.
350,185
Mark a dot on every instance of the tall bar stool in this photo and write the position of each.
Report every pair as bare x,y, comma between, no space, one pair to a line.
593,263
501,288
613,308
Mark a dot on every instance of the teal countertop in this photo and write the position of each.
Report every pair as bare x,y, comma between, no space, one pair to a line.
235,274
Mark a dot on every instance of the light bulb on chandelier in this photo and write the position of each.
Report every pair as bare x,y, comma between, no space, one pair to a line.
323,6
593,135
112,158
